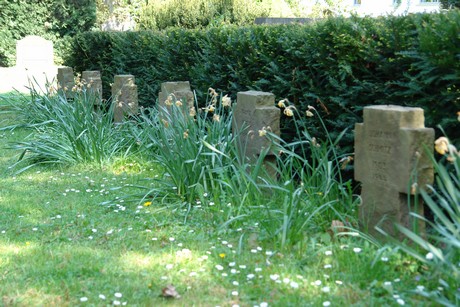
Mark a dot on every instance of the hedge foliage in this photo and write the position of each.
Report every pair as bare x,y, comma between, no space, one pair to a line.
50,19
338,65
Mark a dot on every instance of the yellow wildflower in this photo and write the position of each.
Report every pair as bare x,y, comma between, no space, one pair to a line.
288,111
222,255
185,134
147,203
441,145
52,89
168,101
314,142
345,161
216,118
179,103
210,109
192,111
226,101
309,113
281,103
262,132
213,92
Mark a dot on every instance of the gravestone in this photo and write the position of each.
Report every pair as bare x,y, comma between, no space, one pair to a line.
179,90
93,83
391,161
124,95
34,51
66,80
34,64
256,111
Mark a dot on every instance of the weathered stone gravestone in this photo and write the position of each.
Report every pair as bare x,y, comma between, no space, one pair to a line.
66,80
34,63
34,51
391,161
256,112
93,83
179,90
124,95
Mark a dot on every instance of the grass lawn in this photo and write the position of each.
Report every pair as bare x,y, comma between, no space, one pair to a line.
69,237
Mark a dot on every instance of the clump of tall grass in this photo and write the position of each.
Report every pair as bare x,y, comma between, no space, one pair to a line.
310,191
300,191
188,142
66,131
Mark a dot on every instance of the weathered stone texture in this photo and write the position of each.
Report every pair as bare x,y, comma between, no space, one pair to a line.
391,161
93,83
254,111
179,90
66,80
124,95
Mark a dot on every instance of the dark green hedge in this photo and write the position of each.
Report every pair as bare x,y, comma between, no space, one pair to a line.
337,65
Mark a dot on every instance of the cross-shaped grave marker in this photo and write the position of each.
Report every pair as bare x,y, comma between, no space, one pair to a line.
391,159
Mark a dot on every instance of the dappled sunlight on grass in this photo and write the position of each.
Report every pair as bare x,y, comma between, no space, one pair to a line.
9,251
178,259
177,263
137,261
31,296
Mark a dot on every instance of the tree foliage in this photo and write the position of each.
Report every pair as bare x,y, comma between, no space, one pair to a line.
450,4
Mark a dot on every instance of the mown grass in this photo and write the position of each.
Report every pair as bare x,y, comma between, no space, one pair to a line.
68,237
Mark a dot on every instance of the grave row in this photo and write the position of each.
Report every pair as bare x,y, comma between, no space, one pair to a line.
392,145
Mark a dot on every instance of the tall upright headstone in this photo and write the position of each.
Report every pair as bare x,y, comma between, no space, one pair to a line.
256,111
66,80
34,52
34,63
124,95
93,83
391,162
179,90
